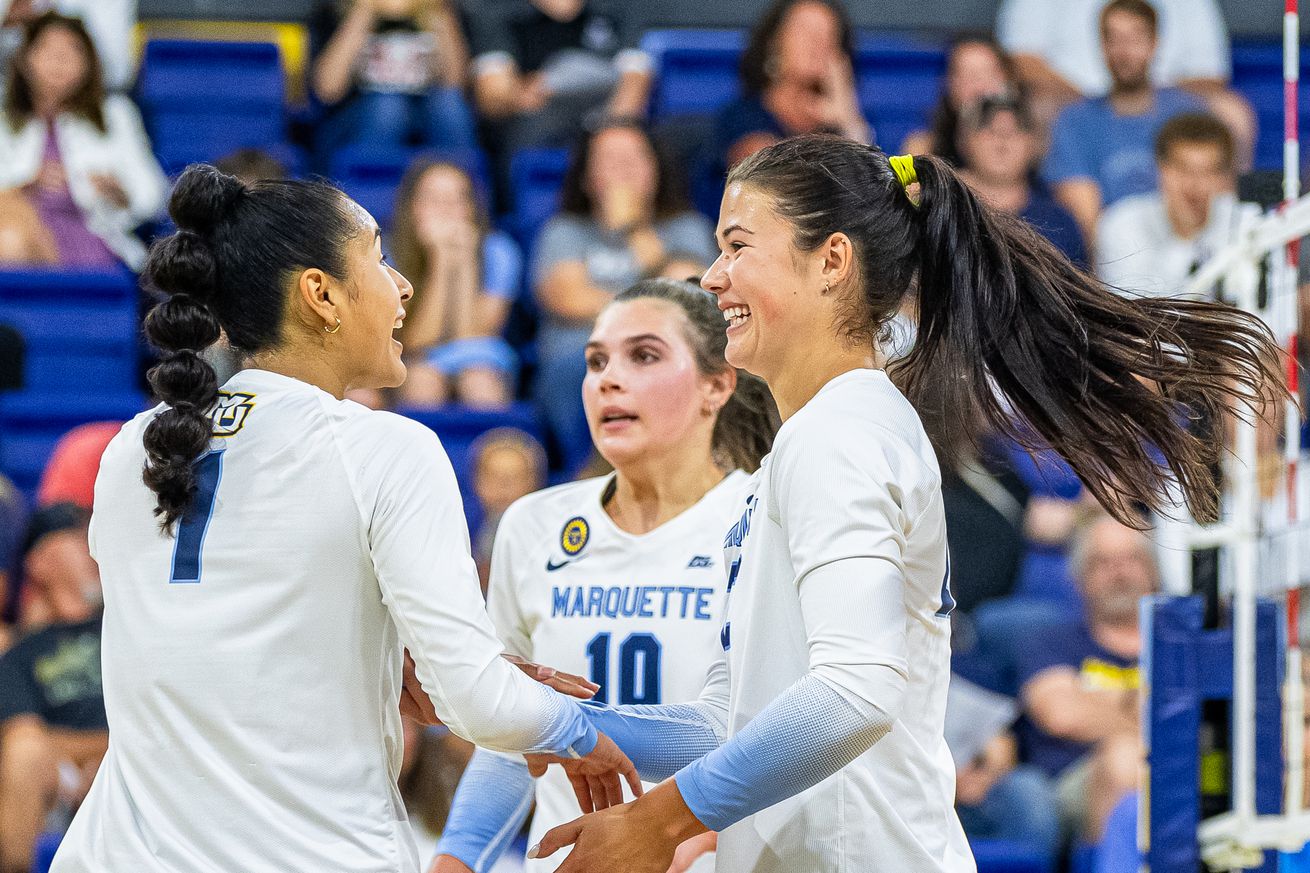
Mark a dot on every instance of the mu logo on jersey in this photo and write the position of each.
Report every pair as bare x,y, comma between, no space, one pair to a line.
700,562
230,412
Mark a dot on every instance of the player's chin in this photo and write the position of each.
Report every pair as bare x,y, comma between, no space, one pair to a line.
392,373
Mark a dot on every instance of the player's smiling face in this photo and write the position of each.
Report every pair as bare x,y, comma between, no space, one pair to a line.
372,312
643,394
769,292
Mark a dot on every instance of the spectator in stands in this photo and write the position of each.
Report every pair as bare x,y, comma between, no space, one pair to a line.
976,67
683,266
76,171
52,717
396,69
70,474
797,76
1060,59
1080,678
109,22
58,580
998,148
465,277
1153,242
252,165
507,464
623,212
542,69
1101,148
430,768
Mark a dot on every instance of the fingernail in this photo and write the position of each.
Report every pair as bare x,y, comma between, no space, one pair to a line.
532,853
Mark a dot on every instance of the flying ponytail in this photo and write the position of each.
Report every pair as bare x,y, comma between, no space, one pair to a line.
1013,337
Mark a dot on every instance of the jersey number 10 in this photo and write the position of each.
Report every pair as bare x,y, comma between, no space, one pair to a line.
639,668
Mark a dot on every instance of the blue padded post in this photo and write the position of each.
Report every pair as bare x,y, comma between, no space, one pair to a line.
1183,665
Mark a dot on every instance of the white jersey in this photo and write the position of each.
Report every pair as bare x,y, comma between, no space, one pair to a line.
638,615
252,662
851,474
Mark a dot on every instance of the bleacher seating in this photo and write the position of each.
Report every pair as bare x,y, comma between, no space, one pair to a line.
371,175
536,176
1258,75
81,333
202,100
1003,856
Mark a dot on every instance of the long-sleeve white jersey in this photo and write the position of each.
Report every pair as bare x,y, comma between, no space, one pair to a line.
838,575
252,660
639,615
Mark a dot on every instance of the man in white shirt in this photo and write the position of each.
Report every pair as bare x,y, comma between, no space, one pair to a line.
1152,243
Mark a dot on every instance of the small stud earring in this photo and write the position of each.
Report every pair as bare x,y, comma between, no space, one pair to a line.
827,287
327,329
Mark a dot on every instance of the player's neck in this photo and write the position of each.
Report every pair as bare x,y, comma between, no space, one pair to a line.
658,490
303,365
795,385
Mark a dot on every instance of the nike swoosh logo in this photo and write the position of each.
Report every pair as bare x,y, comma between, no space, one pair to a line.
551,566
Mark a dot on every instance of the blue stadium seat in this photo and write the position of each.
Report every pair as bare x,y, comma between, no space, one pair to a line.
32,422
1258,75
696,70
536,176
80,327
1003,856
202,99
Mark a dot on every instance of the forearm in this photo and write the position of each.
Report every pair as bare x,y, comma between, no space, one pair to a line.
807,734
630,95
660,740
574,300
490,806
337,63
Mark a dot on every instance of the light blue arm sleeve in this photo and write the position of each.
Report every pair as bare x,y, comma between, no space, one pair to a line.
807,734
490,806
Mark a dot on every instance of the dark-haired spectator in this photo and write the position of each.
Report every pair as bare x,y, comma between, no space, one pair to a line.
1152,243
797,76
1080,678
396,69
998,145
623,212
13,525
1060,59
251,165
76,171
111,24
465,276
1102,147
53,731
976,67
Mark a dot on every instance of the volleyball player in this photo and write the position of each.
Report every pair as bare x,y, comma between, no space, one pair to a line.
267,550
621,577
821,748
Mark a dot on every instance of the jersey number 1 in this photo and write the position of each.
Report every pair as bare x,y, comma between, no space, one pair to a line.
194,524
639,668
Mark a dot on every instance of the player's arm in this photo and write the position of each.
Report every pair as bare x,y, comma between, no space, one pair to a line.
419,546
492,801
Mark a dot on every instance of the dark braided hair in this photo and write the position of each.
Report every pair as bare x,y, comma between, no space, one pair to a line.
743,432
1013,336
227,269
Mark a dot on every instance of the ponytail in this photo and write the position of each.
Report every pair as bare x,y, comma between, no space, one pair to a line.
743,432
1010,328
1012,337
181,327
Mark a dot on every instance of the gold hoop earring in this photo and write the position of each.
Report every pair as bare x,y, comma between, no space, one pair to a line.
327,329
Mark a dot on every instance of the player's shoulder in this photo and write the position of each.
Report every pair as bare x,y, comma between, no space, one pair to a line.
555,505
859,419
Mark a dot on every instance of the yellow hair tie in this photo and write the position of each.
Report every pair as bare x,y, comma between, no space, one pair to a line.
903,167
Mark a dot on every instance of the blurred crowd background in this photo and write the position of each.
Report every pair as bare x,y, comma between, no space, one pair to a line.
527,160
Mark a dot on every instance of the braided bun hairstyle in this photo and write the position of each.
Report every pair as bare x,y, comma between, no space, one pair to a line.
227,268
